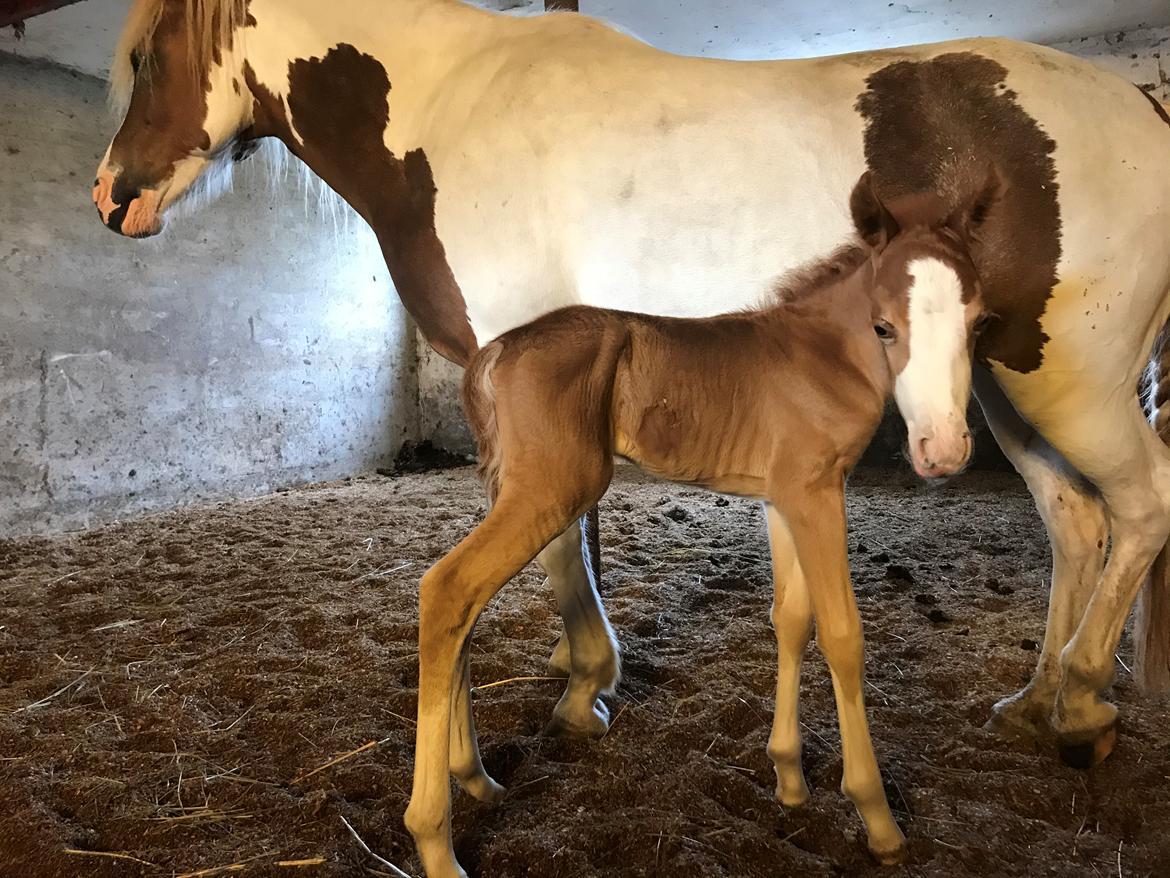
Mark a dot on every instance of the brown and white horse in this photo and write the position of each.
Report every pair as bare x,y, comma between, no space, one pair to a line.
775,404
511,166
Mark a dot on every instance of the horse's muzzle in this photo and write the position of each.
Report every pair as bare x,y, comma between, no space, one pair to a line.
126,209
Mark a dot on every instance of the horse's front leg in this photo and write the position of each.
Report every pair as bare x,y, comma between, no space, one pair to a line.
815,516
792,622
588,651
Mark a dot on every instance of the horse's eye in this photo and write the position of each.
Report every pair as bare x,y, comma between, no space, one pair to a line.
982,323
885,331
135,60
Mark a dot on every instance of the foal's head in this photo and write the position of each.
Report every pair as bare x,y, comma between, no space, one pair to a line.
927,310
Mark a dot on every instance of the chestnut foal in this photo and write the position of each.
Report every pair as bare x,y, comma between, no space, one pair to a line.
776,404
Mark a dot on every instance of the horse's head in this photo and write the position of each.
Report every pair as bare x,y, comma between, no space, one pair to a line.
179,72
928,310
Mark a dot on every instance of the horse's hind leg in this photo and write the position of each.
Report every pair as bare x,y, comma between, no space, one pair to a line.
792,622
591,648
1074,516
1114,446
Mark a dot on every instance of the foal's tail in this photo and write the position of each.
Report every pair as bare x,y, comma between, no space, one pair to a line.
1152,617
479,404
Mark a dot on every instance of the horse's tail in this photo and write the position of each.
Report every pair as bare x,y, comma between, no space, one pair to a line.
479,404
1152,617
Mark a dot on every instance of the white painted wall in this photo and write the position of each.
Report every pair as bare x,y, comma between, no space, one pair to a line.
254,345
82,36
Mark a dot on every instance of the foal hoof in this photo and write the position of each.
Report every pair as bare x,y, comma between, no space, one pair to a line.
890,857
1088,751
483,788
793,794
593,724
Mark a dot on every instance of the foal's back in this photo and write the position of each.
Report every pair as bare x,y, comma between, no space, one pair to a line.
713,401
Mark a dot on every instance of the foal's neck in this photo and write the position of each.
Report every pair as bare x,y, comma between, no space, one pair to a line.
844,306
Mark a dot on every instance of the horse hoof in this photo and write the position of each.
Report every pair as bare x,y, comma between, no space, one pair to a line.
482,788
1017,718
1088,751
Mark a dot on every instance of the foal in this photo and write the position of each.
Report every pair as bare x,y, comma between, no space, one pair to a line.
776,404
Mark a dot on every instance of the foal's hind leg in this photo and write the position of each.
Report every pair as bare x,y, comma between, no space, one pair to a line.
466,765
592,650
451,597
1074,515
792,622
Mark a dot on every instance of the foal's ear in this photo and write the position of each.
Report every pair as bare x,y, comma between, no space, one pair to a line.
971,214
873,222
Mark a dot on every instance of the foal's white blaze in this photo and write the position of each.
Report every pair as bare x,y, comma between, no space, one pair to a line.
933,388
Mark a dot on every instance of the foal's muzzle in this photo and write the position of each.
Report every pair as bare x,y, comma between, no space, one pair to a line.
937,455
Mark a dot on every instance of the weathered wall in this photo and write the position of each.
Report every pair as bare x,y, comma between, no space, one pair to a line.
257,344
1137,55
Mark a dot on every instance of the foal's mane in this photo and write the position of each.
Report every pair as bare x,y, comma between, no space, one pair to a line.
801,283
210,24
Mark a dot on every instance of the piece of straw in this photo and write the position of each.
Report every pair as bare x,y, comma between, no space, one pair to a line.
365,847
344,756
73,852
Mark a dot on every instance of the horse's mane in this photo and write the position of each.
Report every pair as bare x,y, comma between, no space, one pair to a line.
210,24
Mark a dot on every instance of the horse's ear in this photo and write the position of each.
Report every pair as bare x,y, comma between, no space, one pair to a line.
874,223
971,214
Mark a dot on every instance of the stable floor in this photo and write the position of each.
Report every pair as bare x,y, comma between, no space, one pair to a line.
219,688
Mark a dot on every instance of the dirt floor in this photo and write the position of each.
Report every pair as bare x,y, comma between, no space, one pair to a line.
175,689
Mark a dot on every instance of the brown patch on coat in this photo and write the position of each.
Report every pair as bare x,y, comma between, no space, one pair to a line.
339,106
937,126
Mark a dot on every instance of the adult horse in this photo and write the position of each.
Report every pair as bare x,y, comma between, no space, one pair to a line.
512,166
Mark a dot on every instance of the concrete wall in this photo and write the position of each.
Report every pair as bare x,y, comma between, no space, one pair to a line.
255,345
1137,55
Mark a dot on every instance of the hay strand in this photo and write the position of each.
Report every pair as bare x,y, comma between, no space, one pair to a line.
513,680
110,855
60,691
337,759
365,847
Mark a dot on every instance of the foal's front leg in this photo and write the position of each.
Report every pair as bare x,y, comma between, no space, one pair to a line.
815,516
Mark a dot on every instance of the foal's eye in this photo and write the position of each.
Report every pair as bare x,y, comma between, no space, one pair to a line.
982,323
885,331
